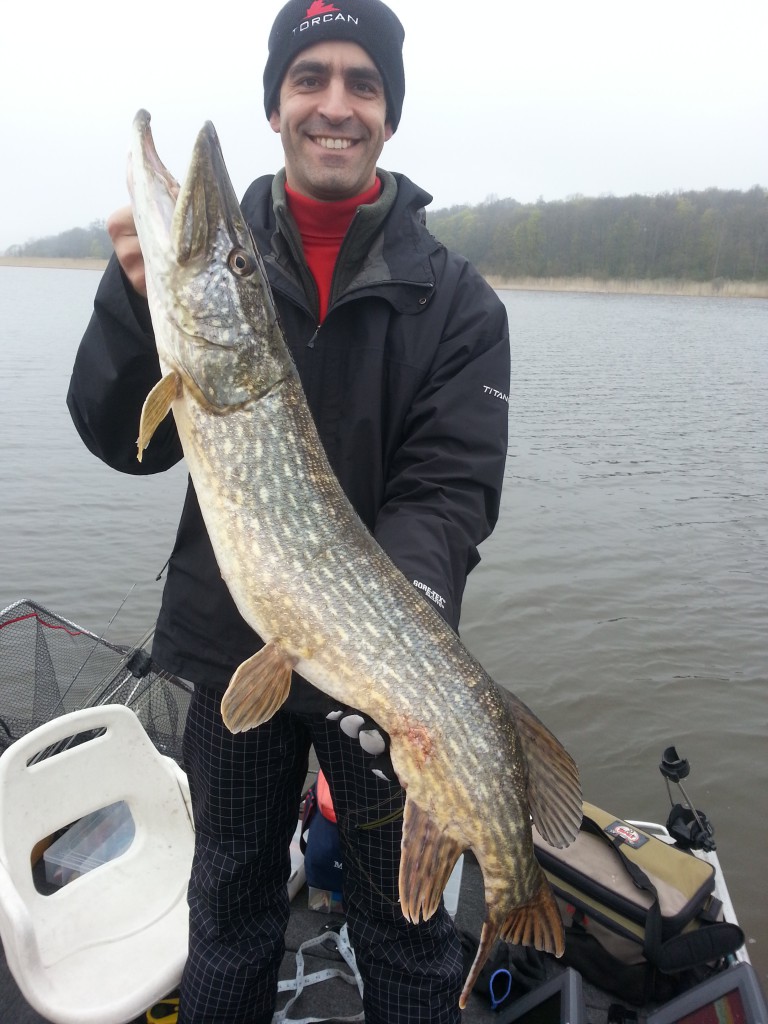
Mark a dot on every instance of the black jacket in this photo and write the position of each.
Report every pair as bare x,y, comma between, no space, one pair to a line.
407,379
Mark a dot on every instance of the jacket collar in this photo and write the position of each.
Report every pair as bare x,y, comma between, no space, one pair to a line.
385,252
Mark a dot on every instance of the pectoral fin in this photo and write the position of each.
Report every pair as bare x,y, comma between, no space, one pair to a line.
428,857
156,407
258,688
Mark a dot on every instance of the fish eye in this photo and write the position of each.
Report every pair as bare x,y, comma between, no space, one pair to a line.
241,263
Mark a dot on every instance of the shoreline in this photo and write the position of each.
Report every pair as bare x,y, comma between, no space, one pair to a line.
718,289
52,262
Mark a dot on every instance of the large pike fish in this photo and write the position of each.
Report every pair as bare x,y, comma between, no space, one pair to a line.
476,765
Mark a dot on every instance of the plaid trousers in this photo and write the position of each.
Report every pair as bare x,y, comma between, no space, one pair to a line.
246,791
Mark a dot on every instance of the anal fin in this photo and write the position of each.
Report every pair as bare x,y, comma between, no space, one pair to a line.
156,407
427,859
258,688
537,923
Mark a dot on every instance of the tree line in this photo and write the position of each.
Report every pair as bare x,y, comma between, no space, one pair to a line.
698,236
92,242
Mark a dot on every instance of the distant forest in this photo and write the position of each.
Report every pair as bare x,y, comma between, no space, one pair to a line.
695,236
92,242
686,236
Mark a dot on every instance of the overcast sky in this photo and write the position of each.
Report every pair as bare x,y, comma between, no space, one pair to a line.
541,98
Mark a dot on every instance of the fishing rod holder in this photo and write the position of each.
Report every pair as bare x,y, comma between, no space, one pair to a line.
689,827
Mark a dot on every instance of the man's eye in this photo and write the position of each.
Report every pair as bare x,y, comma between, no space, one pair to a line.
366,87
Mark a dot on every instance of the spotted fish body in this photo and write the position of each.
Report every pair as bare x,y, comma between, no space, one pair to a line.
307,575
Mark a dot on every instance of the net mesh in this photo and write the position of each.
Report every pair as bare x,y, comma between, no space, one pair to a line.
50,666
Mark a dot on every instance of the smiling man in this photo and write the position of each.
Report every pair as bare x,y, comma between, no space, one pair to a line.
403,352
331,114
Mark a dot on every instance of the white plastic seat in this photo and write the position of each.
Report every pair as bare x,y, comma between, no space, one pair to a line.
106,946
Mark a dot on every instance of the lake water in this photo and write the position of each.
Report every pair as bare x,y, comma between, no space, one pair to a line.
624,592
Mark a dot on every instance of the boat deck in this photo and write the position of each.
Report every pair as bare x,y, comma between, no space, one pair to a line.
335,997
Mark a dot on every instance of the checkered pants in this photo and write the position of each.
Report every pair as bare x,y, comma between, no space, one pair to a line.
245,793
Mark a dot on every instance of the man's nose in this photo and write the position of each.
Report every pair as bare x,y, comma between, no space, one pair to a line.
335,103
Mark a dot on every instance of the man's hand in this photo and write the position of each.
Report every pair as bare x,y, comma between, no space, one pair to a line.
122,231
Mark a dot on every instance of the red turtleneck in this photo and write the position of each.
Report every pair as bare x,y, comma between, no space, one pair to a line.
322,226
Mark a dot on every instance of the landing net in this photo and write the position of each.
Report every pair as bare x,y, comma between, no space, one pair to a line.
50,666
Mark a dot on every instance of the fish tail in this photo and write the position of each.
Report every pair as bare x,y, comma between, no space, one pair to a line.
537,923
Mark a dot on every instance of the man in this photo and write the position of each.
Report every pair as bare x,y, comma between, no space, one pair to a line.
403,352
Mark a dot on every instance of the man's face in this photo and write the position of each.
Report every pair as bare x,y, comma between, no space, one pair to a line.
332,121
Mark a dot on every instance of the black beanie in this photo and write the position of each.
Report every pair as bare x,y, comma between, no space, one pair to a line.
369,23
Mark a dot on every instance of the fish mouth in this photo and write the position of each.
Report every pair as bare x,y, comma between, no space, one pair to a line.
152,162
147,174
207,214
201,214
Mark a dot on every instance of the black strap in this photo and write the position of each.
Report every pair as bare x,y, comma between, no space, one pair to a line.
310,807
653,924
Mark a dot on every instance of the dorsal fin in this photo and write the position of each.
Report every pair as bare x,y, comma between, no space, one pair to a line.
554,789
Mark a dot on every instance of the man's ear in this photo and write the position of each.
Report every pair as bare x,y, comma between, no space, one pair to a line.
274,121
388,131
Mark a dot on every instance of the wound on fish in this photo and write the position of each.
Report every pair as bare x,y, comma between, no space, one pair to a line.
418,740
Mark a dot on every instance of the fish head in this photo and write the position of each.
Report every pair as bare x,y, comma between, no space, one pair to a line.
212,310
